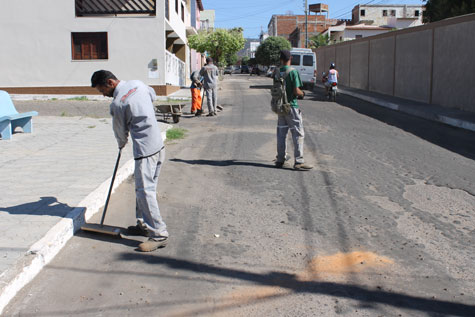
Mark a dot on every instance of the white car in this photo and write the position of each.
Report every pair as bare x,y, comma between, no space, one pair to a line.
270,71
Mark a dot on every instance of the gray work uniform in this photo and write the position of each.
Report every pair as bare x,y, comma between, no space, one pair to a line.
210,75
132,112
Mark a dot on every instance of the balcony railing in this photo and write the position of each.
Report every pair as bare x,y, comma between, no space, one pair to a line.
175,70
115,7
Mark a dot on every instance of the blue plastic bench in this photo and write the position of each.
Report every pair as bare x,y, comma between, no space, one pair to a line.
10,118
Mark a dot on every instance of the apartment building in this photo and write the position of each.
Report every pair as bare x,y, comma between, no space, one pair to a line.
394,16
55,47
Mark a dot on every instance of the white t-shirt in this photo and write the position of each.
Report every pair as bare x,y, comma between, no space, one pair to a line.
333,76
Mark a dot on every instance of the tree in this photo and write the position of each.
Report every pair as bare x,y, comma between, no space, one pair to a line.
245,60
319,40
219,43
231,59
268,53
442,9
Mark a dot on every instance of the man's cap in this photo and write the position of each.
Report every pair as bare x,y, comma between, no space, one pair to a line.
285,55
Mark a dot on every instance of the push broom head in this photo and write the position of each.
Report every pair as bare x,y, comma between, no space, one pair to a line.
102,229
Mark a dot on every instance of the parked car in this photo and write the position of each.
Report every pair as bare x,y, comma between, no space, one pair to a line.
270,71
255,70
229,70
244,69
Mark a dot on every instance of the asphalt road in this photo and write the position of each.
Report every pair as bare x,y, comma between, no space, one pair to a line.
383,226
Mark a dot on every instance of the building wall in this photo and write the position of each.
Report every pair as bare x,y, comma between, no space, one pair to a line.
285,25
432,63
375,13
36,44
349,34
208,17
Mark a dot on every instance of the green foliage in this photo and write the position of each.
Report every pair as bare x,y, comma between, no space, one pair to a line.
82,98
268,53
442,9
219,43
319,40
231,59
175,133
245,60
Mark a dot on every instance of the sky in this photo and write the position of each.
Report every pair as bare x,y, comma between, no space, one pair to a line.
251,15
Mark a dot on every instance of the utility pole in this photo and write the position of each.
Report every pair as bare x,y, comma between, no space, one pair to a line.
306,24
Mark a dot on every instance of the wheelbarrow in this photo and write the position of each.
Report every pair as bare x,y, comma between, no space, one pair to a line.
173,110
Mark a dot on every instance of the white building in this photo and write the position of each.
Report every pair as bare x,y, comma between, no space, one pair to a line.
56,45
369,20
345,32
395,16
207,18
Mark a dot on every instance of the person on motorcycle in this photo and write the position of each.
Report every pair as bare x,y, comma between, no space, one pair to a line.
331,77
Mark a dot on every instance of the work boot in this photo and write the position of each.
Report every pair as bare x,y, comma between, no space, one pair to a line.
279,164
198,113
302,167
136,231
211,114
153,244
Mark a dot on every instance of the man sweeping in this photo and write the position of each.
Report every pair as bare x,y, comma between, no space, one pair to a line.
132,112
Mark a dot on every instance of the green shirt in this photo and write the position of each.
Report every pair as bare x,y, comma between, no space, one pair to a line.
291,82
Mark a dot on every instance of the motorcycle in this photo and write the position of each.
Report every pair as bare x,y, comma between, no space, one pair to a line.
332,91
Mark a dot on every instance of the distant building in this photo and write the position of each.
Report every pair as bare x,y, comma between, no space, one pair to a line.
344,32
195,7
263,36
207,18
369,20
250,48
394,16
296,28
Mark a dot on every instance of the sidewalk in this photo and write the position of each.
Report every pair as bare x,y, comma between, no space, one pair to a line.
454,117
47,180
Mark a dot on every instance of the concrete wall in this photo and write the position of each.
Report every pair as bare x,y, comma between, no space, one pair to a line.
454,67
36,44
432,63
381,61
359,65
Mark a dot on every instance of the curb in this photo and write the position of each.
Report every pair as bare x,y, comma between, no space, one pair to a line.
44,250
455,122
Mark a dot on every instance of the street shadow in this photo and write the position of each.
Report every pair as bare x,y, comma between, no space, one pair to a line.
45,206
223,163
457,140
291,282
129,241
260,86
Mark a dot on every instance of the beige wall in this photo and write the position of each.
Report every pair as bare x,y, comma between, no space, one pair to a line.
432,63
454,67
359,65
381,72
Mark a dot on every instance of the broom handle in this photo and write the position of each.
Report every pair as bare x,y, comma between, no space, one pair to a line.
110,188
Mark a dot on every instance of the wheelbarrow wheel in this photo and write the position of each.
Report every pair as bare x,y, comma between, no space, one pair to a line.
176,118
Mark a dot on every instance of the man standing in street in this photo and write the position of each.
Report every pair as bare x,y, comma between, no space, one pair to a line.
210,75
196,84
132,112
292,120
